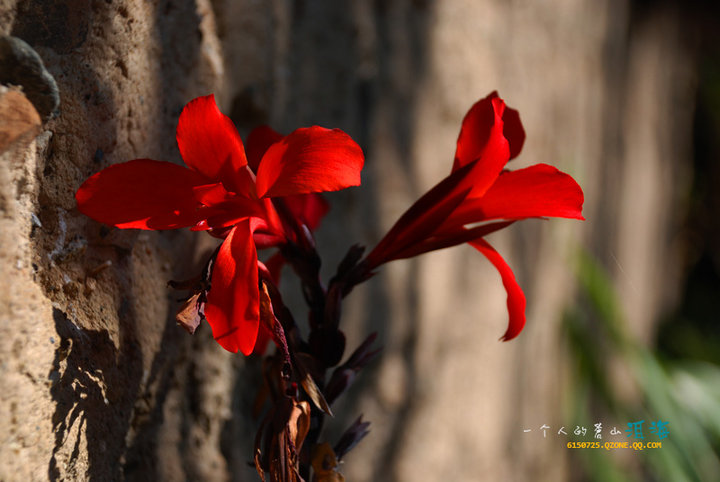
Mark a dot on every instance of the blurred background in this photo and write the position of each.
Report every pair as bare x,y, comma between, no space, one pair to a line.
624,95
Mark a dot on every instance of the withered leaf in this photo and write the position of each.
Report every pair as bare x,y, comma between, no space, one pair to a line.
258,466
190,313
311,387
280,439
18,119
299,423
267,314
270,321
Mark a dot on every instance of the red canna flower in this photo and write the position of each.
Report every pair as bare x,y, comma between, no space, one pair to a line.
480,197
228,193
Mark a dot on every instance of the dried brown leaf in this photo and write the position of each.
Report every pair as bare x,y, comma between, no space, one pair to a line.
311,387
267,314
190,313
299,424
18,119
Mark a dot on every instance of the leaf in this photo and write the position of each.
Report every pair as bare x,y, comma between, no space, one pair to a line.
273,325
344,375
267,314
18,119
191,313
299,423
352,436
327,343
311,387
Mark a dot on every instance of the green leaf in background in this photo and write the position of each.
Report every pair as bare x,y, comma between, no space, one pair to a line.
685,393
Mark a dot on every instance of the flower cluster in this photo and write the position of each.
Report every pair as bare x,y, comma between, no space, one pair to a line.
265,194
480,197
228,192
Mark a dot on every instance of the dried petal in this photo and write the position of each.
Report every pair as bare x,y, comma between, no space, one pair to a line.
299,424
18,119
191,313
311,387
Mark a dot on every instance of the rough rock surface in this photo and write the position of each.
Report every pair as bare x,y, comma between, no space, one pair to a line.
97,381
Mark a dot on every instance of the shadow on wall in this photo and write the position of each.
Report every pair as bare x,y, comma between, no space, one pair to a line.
176,27
94,391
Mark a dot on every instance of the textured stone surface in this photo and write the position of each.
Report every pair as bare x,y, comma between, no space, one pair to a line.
97,381
20,65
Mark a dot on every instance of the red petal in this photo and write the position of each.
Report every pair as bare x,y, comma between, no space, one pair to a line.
422,219
536,191
142,194
309,209
233,306
210,144
481,138
264,221
224,208
451,238
515,296
476,128
258,142
211,194
309,160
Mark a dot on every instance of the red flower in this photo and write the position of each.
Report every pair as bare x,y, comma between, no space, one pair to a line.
479,197
229,194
